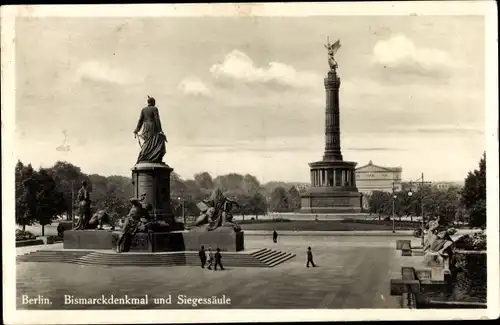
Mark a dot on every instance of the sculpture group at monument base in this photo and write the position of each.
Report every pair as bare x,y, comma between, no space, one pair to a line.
225,239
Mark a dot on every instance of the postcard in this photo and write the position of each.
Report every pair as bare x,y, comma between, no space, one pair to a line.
251,162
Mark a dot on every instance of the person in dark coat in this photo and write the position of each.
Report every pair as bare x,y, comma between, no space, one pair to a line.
275,236
60,230
310,257
218,260
203,256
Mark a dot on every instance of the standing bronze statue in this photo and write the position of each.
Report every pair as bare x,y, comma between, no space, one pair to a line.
84,207
153,148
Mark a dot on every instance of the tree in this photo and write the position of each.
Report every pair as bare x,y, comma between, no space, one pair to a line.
49,201
473,195
116,207
68,178
19,192
177,186
229,182
204,180
245,204
258,205
293,199
380,203
250,184
25,191
279,200
442,205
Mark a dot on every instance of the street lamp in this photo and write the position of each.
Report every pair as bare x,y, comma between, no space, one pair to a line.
421,182
411,215
183,215
394,197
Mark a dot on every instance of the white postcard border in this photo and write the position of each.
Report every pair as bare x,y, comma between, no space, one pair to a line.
486,8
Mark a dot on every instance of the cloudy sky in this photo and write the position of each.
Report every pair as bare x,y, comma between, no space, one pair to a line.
246,94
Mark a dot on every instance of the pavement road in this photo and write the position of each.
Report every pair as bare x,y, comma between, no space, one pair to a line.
351,272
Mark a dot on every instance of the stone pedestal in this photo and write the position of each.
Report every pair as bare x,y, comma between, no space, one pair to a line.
333,189
88,239
153,180
224,238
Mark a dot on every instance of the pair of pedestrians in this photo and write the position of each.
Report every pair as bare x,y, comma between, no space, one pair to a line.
217,258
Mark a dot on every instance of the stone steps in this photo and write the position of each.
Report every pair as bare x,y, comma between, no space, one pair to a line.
51,256
272,257
261,258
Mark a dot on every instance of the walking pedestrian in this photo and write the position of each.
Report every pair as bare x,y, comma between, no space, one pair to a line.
203,257
275,236
218,260
60,230
310,257
210,258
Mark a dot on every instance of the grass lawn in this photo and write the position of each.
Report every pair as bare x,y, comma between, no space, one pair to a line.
306,225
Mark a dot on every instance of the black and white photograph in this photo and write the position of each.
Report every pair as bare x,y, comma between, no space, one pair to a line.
250,162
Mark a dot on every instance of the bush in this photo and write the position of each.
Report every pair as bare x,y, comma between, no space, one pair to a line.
476,242
253,221
24,235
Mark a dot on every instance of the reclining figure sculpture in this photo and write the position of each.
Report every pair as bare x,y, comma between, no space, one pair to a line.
216,212
438,245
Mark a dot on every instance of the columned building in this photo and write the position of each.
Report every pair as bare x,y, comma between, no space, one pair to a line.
373,177
333,180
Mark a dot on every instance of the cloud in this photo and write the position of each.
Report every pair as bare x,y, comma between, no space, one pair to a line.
437,129
375,149
194,87
239,66
99,71
400,53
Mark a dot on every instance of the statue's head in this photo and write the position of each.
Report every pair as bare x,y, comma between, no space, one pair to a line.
84,184
151,101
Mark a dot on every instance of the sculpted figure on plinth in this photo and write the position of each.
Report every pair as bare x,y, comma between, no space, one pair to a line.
216,212
153,147
438,238
332,50
83,207
137,220
99,219
438,245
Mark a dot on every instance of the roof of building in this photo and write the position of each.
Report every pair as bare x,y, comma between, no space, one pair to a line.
391,169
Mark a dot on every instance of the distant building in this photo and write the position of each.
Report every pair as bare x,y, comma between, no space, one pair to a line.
302,187
438,185
445,186
372,177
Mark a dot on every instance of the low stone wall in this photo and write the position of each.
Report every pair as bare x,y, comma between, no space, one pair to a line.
456,282
29,242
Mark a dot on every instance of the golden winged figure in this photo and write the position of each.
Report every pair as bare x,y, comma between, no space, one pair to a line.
332,50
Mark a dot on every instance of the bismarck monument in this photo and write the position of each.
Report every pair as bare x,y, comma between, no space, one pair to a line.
150,225
150,175
333,182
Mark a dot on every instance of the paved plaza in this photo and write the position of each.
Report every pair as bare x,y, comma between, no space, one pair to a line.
351,272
